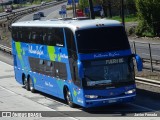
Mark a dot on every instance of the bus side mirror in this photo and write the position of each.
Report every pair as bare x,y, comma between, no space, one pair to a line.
139,62
80,69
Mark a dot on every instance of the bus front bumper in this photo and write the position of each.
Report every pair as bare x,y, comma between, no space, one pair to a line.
108,101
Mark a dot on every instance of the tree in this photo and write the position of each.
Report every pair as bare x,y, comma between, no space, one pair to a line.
130,6
83,4
149,16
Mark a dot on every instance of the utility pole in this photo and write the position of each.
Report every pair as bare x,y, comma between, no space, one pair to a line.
92,16
74,9
110,9
122,12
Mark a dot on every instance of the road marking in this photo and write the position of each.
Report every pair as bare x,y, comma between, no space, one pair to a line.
8,90
142,107
6,64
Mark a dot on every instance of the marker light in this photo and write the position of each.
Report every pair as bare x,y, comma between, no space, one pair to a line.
130,91
91,96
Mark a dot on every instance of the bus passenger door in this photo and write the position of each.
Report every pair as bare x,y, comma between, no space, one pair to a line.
77,92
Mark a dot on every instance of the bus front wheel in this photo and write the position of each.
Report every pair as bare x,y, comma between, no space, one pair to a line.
69,99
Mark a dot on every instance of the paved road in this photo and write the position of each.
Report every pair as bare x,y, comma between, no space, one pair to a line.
50,13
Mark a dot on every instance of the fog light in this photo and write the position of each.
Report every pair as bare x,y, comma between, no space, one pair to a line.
91,96
130,91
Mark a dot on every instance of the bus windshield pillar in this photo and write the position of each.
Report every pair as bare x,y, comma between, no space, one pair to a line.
80,69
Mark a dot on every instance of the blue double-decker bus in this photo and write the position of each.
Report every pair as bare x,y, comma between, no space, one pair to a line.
85,62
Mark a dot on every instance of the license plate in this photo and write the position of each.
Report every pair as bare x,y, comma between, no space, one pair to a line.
112,101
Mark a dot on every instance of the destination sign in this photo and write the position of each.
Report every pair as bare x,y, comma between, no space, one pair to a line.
115,61
108,62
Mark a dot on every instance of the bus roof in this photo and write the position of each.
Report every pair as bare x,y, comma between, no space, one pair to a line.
73,24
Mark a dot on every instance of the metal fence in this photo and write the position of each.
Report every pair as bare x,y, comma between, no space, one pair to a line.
150,54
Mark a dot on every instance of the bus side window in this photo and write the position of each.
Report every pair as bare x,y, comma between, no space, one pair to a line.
24,31
59,37
63,71
41,66
33,37
60,70
20,34
56,69
40,39
49,68
44,39
51,39
14,33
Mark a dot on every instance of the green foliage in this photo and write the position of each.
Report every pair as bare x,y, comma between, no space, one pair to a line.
149,16
128,18
84,3
130,6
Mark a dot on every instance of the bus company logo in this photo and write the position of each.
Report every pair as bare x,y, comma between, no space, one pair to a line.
48,84
106,55
36,51
63,56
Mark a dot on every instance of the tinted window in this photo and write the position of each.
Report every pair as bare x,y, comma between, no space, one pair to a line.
45,36
59,37
15,33
102,39
70,39
49,68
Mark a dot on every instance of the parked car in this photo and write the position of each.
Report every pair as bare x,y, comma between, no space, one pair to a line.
36,16
41,14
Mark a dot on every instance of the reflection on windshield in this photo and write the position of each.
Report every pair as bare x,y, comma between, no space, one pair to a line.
107,72
102,39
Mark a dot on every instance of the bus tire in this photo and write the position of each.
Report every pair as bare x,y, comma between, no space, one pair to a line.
23,80
26,84
31,85
69,99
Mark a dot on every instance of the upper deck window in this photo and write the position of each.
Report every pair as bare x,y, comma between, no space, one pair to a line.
39,35
102,39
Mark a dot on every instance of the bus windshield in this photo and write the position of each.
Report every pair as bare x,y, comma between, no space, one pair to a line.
102,39
111,72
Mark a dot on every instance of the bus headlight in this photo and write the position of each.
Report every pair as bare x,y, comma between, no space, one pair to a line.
91,96
130,91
